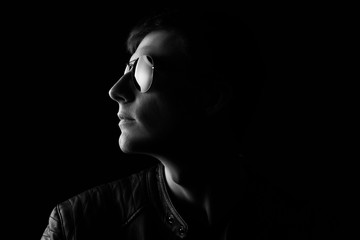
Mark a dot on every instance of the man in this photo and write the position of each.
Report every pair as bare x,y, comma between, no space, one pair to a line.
186,98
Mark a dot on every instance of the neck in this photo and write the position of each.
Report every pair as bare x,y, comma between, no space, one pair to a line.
200,185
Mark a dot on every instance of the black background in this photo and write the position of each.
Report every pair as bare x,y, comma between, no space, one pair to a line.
61,126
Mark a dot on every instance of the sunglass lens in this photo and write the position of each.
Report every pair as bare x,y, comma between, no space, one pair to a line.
144,72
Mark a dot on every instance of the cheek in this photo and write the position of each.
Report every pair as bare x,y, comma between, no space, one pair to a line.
160,120
155,121
158,116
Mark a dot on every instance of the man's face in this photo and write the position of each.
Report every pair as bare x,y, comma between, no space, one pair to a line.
152,120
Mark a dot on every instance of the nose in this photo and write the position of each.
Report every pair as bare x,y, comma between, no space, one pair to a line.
122,91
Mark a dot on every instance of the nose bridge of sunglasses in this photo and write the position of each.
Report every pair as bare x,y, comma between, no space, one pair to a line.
130,66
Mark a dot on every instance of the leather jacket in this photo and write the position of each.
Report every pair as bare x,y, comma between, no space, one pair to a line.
138,207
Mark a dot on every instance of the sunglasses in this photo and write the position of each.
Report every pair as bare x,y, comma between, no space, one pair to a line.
142,72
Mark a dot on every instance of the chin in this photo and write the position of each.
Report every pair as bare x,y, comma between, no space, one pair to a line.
135,145
126,145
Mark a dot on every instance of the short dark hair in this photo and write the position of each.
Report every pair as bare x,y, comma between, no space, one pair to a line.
219,43
207,33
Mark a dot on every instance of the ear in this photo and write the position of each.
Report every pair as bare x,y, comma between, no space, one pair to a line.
217,98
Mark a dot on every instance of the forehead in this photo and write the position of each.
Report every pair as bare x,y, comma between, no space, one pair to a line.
162,44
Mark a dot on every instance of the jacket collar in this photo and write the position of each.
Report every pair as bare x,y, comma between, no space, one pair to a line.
160,198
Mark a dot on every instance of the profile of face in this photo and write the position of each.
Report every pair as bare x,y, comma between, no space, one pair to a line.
151,120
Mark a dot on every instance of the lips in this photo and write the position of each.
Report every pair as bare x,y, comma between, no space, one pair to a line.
125,120
125,116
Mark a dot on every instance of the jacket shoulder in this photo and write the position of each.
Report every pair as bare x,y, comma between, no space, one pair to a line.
54,230
100,209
